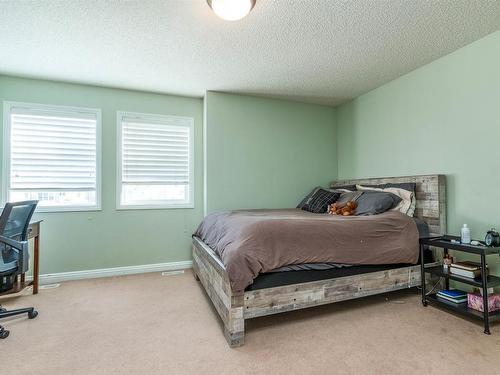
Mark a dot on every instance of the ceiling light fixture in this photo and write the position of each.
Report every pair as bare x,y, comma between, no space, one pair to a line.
231,10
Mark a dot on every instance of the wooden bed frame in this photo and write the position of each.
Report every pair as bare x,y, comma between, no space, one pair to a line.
235,307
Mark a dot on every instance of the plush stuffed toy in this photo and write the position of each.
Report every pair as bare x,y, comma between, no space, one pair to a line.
346,210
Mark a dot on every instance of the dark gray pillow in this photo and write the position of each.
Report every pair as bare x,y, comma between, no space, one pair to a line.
346,197
318,202
376,202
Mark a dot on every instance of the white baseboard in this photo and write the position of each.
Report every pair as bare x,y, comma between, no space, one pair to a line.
52,278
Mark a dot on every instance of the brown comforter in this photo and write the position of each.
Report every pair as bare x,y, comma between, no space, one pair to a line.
255,241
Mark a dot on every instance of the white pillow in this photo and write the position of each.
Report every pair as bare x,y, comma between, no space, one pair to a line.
342,190
405,206
413,206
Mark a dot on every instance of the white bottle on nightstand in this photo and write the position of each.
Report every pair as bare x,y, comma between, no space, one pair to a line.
465,234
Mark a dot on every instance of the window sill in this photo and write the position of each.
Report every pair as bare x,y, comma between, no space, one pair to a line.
44,210
155,207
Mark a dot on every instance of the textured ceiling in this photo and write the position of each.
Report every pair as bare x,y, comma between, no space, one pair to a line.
320,51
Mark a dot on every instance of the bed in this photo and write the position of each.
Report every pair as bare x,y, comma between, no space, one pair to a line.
319,287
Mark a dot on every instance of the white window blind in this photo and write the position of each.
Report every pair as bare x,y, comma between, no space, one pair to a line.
156,160
53,156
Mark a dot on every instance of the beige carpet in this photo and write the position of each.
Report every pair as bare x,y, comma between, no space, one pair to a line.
153,324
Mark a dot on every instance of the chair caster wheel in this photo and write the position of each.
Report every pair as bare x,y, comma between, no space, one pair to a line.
33,314
4,333
2,310
424,303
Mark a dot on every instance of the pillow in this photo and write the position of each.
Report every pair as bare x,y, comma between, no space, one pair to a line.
319,201
350,196
376,202
344,187
410,186
341,190
413,206
307,197
405,195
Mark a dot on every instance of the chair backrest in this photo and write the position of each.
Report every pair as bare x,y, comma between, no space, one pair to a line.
15,219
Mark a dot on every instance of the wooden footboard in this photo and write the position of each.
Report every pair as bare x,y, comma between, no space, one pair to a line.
234,308
211,272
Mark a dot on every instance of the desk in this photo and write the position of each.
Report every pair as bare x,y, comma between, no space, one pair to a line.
21,283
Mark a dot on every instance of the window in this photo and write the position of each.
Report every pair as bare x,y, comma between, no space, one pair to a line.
155,161
52,154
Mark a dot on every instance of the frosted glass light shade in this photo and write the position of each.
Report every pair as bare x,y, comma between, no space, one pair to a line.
231,10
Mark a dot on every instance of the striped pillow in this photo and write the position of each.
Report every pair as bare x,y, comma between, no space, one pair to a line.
319,201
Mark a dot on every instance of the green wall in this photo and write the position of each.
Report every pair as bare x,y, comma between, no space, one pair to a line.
260,153
441,118
265,153
109,238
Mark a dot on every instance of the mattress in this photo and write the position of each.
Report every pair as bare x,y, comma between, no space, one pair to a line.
274,279
304,273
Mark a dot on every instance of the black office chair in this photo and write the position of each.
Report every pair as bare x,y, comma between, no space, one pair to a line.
14,254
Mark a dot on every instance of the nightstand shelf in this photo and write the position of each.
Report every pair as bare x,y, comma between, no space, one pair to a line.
484,282
439,271
460,308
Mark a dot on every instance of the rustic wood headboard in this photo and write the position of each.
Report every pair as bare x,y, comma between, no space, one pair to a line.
430,194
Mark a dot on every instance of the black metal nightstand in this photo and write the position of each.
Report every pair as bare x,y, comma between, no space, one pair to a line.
483,282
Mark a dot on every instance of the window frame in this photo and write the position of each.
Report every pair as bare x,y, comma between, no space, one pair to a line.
153,205
7,110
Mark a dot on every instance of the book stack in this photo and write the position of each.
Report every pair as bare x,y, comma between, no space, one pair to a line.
455,296
468,269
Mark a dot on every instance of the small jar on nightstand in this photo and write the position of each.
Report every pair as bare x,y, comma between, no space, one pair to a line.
447,261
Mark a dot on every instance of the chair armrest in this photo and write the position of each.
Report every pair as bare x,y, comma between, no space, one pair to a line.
18,245
21,248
